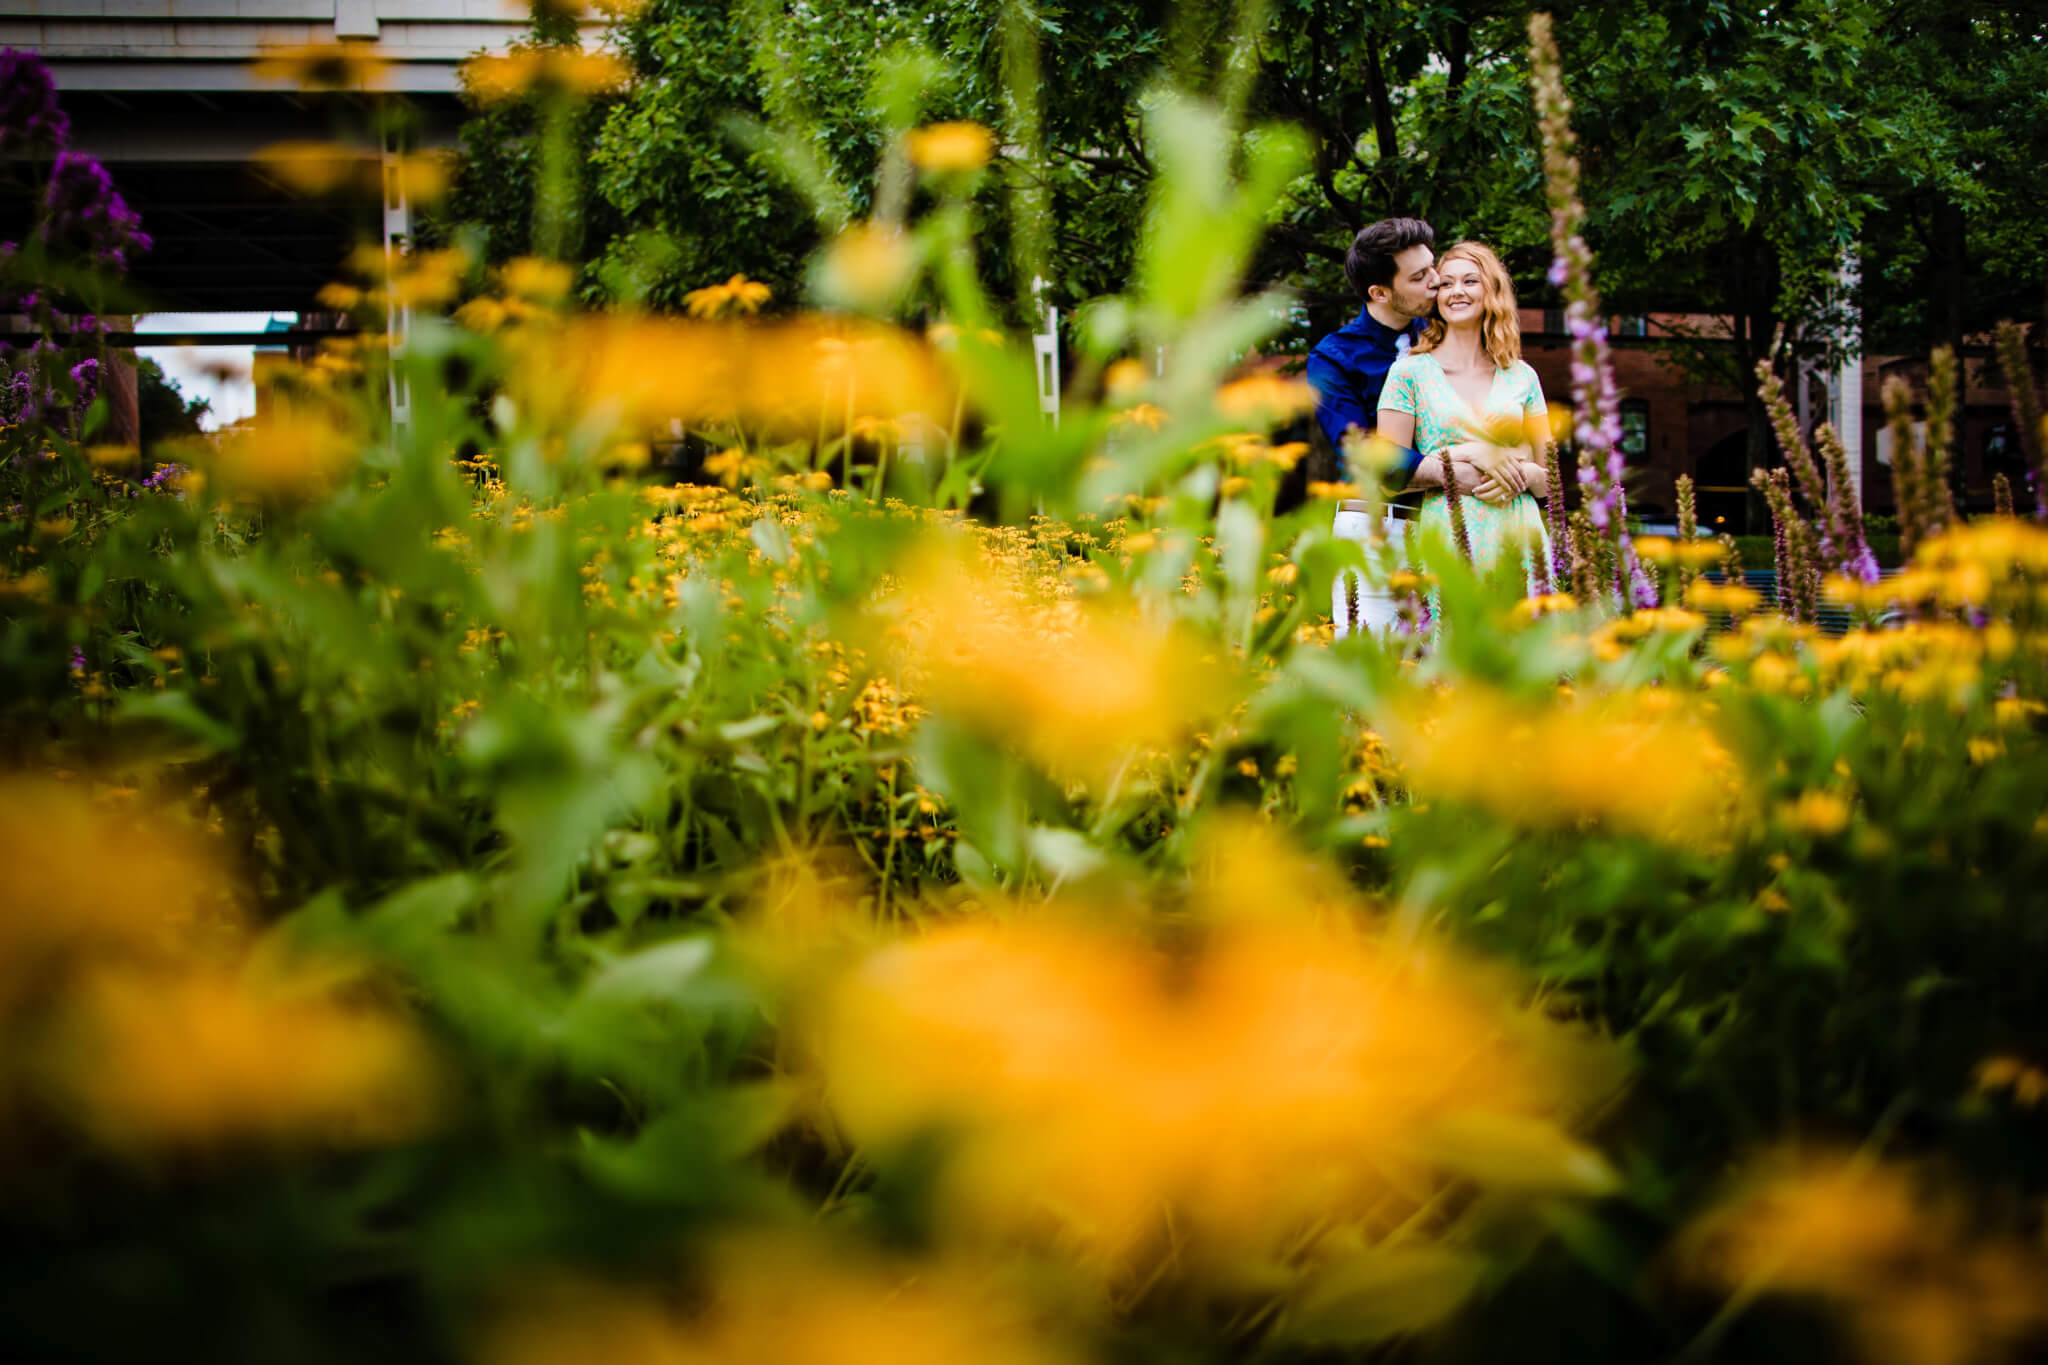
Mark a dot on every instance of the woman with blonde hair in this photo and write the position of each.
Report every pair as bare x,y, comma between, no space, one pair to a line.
1464,381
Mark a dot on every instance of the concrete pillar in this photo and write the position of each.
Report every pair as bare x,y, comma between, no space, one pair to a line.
1845,386
397,239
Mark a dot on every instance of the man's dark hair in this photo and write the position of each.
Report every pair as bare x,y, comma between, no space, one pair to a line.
1371,258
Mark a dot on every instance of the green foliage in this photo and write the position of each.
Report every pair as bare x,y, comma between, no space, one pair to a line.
163,411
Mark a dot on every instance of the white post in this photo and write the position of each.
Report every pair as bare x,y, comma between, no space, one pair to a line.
1846,384
397,236
1045,349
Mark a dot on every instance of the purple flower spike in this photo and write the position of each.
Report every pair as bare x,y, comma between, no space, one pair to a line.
29,116
81,207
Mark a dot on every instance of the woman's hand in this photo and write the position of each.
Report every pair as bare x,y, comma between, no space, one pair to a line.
1501,463
1503,470
1535,480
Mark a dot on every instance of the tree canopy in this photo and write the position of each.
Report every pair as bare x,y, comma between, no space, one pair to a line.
1734,154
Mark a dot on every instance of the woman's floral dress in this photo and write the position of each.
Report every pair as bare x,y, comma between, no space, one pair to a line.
1418,385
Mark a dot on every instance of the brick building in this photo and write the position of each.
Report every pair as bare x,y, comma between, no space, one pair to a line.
1677,423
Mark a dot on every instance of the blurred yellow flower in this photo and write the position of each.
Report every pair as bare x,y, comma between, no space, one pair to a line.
1896,1264
2028,1084
298,450
1147,415
312,168
1731,598
421,176
1288,1078
1651,769
774,1301
1265,398
1080,687
790,379
868,267
210,1055
494,79
1818,814
536,279
1548,604
86,882
323,66
1658,550
481,315
1123,381
949,148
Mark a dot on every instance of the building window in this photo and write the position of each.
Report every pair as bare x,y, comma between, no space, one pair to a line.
1635,428
1632,325
1553,321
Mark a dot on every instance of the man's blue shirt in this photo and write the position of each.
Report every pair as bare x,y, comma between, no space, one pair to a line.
1348,368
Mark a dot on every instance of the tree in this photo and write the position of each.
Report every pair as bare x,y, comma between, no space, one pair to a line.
1727,153
1952,246
162,410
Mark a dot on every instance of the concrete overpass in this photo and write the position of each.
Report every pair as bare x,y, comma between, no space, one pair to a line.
168,94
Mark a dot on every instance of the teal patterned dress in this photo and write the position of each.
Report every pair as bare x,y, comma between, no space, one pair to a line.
1418,385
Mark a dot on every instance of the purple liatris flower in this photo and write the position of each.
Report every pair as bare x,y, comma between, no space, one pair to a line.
86,376
77,662
164,479
29,116
82,208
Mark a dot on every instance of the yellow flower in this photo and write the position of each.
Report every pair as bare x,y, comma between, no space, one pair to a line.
949,148
738,294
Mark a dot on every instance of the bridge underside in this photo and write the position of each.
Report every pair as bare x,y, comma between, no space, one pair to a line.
229,237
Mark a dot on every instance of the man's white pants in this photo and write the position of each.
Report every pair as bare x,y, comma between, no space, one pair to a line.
1358,602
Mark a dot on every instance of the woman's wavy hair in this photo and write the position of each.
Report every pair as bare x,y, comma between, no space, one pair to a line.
1500,326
